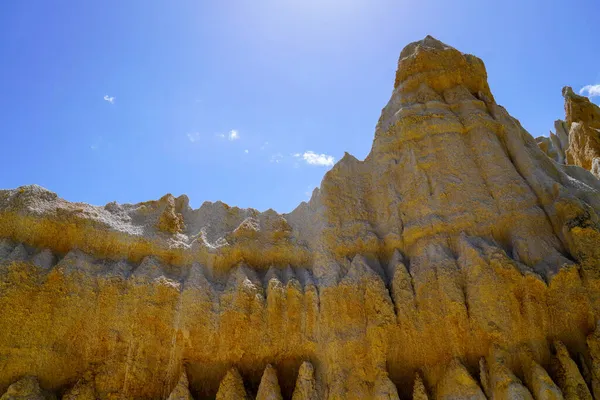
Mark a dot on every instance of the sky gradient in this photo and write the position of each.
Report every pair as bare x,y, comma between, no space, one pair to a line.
249,102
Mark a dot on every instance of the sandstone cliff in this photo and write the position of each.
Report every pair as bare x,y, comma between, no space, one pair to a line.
456,261
577,140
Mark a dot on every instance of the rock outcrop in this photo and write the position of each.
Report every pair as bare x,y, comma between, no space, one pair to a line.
232,387
556,144
583,119
26,388
456,261
181,390
577,139
269,386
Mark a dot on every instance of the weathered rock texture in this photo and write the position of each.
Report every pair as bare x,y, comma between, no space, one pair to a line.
577,140
456,261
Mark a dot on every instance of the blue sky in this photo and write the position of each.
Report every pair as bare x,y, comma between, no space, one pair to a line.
248,102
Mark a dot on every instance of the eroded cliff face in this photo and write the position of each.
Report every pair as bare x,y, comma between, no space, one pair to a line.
456,261
577,139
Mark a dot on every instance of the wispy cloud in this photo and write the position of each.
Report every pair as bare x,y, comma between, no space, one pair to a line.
193,136
592,90
276,158
96,144
246,151
110,99
264,146
312,158
232,135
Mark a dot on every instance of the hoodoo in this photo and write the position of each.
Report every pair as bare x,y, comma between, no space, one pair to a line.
456,261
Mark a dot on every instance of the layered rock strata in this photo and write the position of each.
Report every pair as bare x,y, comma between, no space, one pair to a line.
456,261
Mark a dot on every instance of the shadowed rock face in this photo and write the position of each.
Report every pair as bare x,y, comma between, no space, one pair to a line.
456,261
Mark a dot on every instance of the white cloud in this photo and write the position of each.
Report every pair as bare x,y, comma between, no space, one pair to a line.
246,151
592,90
194,136
234,135
110,99
276,158
313,158
264,146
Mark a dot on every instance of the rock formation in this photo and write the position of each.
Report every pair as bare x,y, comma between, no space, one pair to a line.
577,140
232,387
182,390
556,145
269,386
457,260
26,388
583,118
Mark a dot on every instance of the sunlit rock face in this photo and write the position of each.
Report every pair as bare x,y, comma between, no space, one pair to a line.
577,139
456,261
583,119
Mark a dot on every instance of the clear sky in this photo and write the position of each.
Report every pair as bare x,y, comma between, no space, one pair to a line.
248,102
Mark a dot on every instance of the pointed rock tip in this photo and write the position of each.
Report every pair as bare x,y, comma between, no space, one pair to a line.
567,91
347,158
232,386
305,383
269,388
427,43
306,370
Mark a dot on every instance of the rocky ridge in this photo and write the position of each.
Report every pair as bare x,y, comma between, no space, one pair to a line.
456,261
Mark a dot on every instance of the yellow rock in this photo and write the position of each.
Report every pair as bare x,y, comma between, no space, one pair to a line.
306,387
419,391
456,383
538,380
269,385
583,120
26,388
455,236
568,376
181,391
232,387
